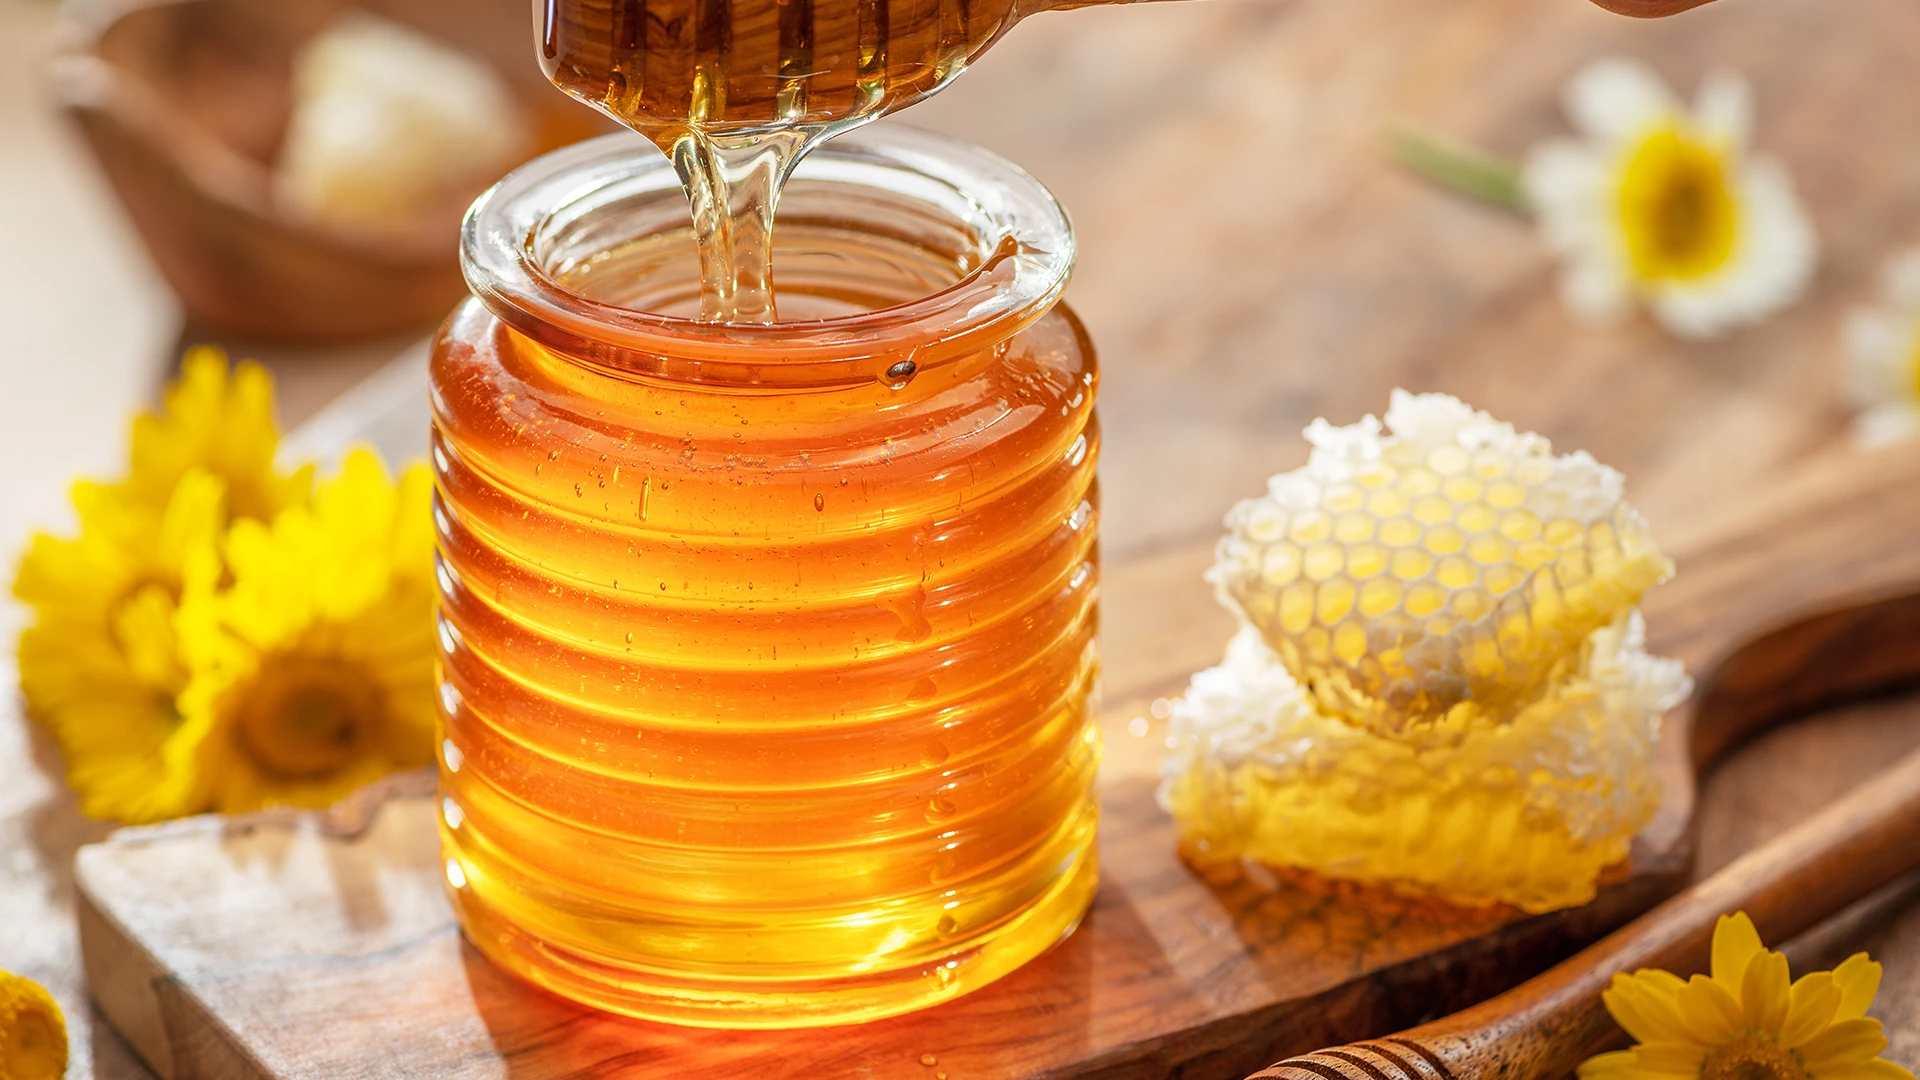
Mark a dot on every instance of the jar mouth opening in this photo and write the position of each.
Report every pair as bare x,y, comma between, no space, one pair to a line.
890,243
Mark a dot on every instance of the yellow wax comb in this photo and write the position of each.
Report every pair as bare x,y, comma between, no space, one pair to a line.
1440,681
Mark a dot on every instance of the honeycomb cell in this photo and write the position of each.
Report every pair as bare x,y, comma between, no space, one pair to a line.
1519,525
1323,561
1416,481
1386,504
1400,532
1280,565
1489,549
1425,598
1350,642
1476,518
1354,527
1375,474
1379,596
1296,608
1268,523
1412,563
1335,600
1366,560
1310,527
1505,494
1471,604
1455,573
1344,498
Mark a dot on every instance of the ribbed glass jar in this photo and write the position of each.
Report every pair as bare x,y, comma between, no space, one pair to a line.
768,650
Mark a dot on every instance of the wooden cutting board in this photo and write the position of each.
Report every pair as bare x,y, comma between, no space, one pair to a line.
320,945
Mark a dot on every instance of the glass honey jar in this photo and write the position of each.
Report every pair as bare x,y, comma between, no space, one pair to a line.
768,651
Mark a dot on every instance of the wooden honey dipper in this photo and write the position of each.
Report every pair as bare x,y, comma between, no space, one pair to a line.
1546,1026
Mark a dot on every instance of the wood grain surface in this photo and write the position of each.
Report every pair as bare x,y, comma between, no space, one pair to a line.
1299,275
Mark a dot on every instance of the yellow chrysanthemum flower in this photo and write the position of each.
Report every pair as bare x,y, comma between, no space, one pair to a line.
100,665
33,1033
312,666
1747,1020
1663,205
221,421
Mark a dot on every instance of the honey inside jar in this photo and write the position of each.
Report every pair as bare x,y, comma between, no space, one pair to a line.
768,650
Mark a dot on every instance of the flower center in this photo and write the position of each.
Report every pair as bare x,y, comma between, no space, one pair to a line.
305,717
1676,208
1913,362
1752,1057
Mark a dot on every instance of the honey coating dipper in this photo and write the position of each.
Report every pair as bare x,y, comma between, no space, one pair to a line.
1546,1026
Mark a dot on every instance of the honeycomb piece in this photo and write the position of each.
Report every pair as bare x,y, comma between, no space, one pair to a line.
1436,573
387,125
1526,813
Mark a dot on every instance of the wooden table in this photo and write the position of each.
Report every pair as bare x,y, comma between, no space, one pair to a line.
1303,276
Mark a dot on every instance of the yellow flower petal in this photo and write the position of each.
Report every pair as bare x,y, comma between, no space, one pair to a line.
1877,1069
1764,993
1735,944
1845,1044
221,421
1858,979
1709,1011
1643,1005
1684,1058
1609,1066
143,628
1811,1007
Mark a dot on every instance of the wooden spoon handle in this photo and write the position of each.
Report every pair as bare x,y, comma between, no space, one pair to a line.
1543,1028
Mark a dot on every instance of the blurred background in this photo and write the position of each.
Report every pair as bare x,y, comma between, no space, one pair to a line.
1250,258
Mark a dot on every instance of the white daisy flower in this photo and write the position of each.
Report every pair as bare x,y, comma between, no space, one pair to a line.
1883,357
1662,205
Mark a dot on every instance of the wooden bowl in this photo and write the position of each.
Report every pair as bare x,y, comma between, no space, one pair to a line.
186,103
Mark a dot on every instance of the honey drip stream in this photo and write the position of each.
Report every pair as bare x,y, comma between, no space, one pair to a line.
736,92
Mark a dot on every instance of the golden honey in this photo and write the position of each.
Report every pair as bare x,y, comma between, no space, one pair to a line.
768,651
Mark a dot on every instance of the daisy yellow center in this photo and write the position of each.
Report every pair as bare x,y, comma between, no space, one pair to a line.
1677,208
1752,1057
1913,362
306,717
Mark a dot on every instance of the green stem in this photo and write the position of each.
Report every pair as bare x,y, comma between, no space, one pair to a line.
1466,169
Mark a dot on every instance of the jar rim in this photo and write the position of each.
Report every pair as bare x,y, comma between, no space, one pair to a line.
1025,236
